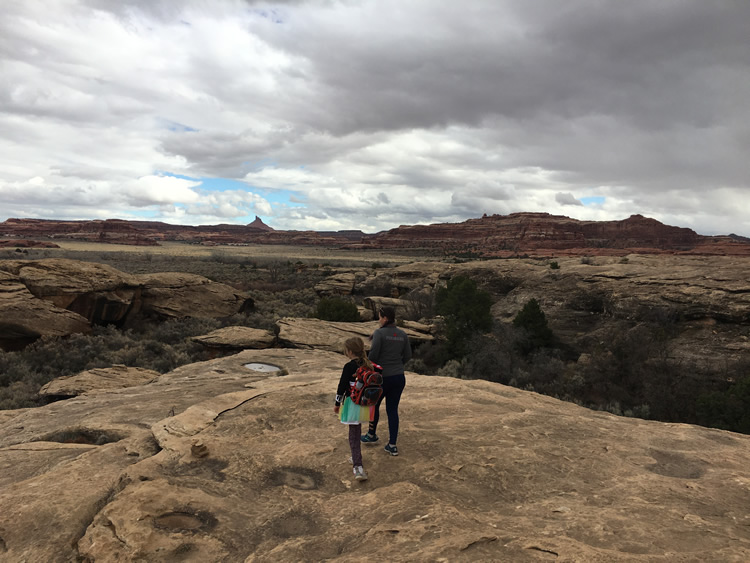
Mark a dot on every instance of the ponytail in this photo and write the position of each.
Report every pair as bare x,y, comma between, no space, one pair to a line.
356,346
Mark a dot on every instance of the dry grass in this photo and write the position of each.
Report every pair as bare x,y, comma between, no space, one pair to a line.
265,251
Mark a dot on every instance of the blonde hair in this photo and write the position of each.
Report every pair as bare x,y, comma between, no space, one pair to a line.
356,346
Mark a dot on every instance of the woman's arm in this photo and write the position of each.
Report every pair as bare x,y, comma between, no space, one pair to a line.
375,347
406,352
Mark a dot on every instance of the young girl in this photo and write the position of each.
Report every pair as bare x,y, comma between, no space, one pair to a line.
349,413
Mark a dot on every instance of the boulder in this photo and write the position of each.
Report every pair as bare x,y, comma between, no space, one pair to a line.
375,303
365,314
24,318
338,284
330,335
216,462
233,338
178,295
98,379
100,293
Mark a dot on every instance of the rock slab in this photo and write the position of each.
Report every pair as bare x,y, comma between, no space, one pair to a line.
486,473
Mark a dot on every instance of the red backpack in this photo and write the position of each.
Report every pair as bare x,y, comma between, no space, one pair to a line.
368,386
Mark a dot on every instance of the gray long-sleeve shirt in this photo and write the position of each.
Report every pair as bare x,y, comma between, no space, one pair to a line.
390,349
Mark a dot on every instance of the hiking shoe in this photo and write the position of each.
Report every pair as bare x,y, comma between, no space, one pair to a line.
393,450
359,473
369,438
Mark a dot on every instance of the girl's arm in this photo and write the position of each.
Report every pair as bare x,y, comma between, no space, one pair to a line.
343,388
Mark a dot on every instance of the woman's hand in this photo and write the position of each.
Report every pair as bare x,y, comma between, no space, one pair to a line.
336,409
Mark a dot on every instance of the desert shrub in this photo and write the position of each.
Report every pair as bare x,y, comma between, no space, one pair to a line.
420,304
24,372
417,365
554,265
533,322
466,311
599,302
458,369
494,355
430,356
336,309
589,260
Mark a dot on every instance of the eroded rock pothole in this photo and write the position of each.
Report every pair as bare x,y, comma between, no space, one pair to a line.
671,464
300,478
263,368
185,521
293,524
82,436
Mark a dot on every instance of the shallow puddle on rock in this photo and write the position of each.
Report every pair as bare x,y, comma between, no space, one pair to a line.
263,368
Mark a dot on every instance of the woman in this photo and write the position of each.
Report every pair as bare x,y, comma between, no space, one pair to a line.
391,350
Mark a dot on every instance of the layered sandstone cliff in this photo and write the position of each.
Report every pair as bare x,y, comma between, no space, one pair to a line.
535,234
545,234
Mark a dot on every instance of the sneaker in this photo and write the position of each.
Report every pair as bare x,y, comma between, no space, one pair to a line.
359,473
369,438
393,450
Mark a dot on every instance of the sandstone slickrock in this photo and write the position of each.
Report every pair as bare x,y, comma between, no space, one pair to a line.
330,335
236,337
58,297
337,284
179,295
24,318
100,293
486,473
98,379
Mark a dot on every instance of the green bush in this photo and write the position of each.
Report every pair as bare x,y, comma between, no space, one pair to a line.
466,311
336,309
554,265
532,320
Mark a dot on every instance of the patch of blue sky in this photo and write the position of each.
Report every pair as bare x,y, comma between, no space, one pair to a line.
593,200
176,126
285,197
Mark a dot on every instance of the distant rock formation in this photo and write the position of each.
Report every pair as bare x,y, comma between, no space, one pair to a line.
545,234
150,233
25,243
502,236
259,224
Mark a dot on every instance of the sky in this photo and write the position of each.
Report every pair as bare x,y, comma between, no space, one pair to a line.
370,114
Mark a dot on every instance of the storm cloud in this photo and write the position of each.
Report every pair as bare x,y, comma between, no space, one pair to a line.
342,114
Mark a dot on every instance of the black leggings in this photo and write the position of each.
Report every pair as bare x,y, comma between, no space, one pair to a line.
393,386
